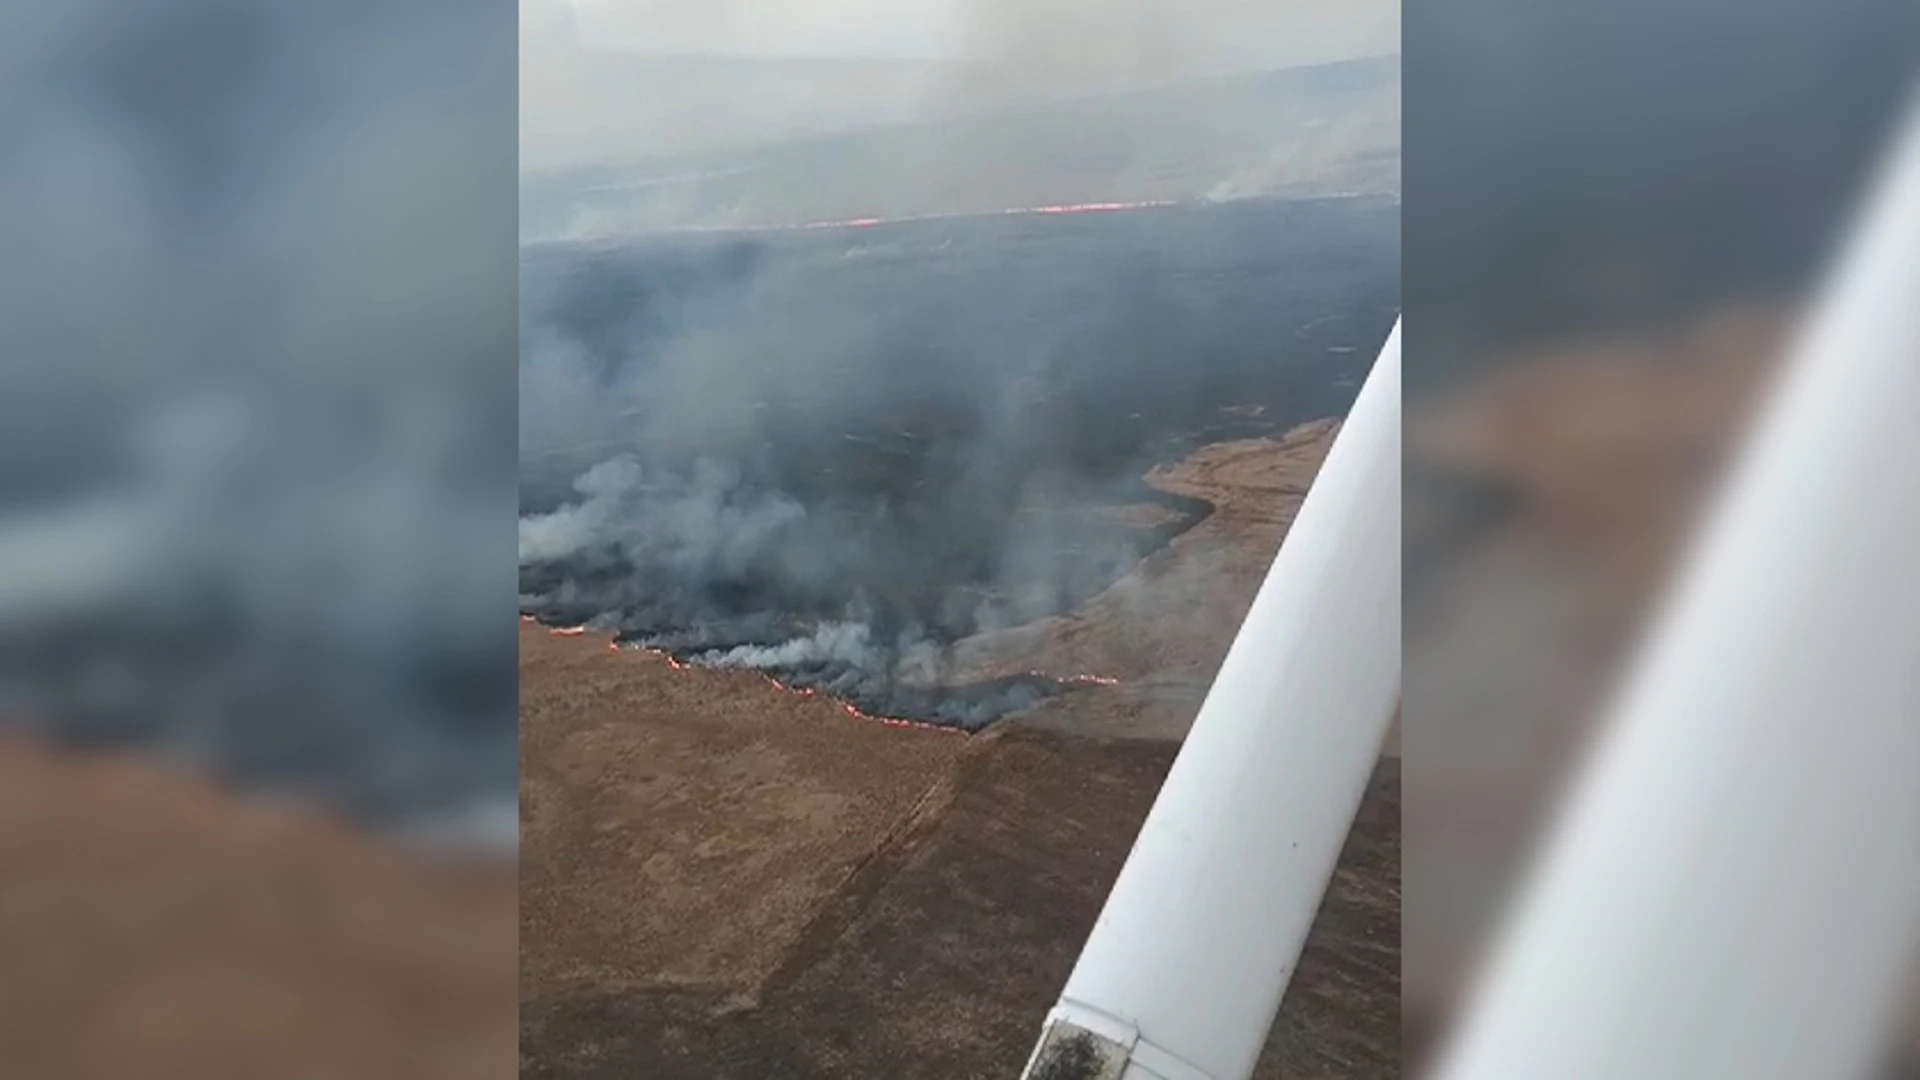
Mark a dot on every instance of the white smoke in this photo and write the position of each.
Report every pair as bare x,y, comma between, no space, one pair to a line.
570,529
913,660
706,520
829,643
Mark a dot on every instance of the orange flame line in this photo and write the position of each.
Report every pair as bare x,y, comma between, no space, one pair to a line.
807,692
802,691
1019,211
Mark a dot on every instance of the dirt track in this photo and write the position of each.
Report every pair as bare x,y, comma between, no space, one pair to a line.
722,880
679,827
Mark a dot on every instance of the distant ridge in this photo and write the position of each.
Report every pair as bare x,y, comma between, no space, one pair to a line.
1306,131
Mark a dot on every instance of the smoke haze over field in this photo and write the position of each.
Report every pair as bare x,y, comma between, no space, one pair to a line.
1323,130
585,65
257,317
1036,50
831,454
647,117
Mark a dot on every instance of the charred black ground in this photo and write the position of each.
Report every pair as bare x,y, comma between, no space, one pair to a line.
827,455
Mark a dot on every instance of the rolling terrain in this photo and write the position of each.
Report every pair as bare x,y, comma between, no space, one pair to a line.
1316,131
895,902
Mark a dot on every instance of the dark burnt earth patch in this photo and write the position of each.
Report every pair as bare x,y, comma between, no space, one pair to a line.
762,453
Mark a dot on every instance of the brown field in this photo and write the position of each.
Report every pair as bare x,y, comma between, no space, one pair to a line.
722,880
153,927
1610,449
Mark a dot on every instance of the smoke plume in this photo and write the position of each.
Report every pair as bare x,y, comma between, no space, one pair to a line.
829,456
255,291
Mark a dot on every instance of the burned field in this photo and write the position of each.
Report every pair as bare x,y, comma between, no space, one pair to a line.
960,472
828,456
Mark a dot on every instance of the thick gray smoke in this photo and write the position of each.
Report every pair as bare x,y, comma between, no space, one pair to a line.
256,299
830,456
698,524
829,643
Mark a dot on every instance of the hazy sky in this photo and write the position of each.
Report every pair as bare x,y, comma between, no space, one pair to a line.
763,27
577,108
1231,33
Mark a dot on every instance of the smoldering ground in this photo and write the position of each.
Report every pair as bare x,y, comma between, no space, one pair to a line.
257,299
830,455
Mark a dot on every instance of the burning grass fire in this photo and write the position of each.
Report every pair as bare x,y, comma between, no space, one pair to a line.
874,222
761,454
811,683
